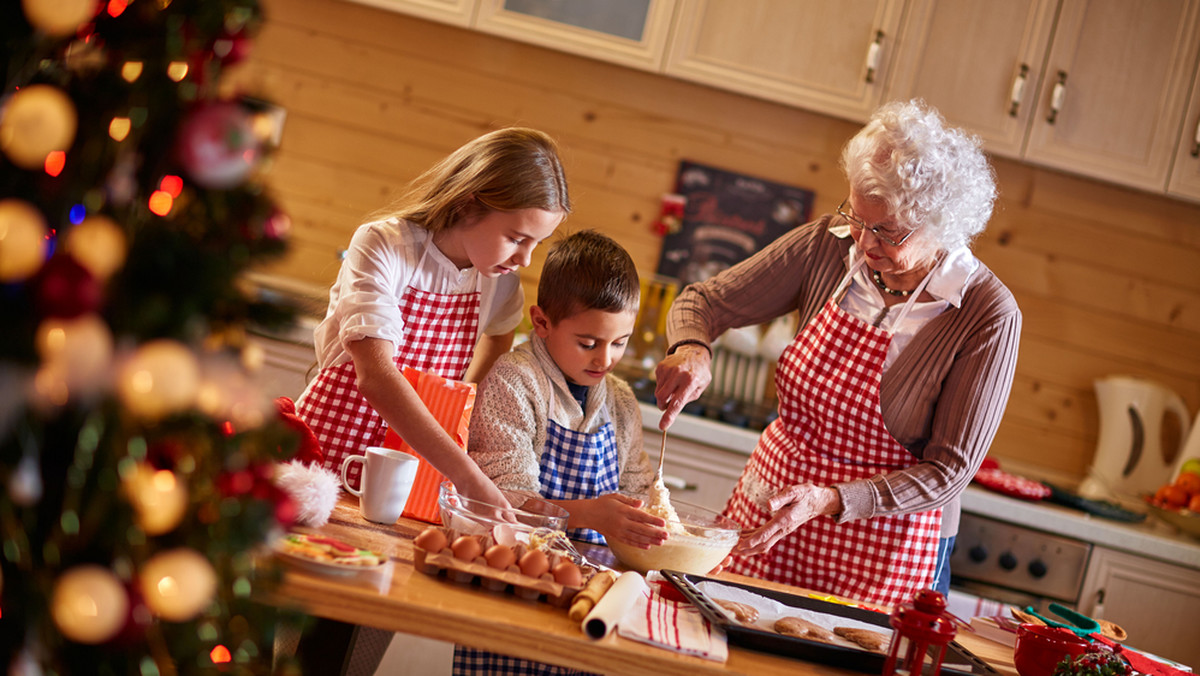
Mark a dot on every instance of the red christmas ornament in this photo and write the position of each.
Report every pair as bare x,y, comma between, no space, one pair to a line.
216,145
66,289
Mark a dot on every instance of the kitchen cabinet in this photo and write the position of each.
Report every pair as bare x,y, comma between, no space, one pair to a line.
1094,87
454,12
1115,89
629,32
984,80
826,57
1185,174
1157,603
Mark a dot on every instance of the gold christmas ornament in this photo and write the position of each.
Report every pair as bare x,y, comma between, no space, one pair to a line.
89,604
59,17
158,496
161,377
99,245
37,120
22,240
178,584
80,350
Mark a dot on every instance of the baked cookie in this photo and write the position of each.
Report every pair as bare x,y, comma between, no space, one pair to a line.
746,614
328,550
801,628
871,640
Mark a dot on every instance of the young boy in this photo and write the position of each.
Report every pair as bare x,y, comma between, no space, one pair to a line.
552,419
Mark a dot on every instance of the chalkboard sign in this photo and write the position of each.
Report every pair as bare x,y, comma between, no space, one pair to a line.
726,218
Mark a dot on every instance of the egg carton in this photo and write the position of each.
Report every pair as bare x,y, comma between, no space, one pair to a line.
496,579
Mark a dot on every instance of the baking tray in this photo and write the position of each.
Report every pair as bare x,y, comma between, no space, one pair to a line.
956,660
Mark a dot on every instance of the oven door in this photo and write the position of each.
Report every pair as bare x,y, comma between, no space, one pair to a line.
1010,565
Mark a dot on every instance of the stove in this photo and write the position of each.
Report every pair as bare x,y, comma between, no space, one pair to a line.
1030,564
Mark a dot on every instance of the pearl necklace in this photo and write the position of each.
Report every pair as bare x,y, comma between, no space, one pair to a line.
884,287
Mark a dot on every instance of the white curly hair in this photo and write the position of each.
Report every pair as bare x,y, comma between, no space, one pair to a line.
932,178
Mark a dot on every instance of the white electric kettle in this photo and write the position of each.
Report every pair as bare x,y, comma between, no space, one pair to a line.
1130,459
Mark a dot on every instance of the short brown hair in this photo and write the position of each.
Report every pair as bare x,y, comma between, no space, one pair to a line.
587,271
504,170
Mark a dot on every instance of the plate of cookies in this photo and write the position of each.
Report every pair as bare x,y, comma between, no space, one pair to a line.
813,629
323,554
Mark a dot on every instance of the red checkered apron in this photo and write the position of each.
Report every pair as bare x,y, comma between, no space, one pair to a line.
830,430
439,337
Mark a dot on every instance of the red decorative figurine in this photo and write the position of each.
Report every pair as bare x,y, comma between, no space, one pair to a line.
919,626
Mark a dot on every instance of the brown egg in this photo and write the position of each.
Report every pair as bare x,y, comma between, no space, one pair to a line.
432,540
567,574
534,563
466,548
500,556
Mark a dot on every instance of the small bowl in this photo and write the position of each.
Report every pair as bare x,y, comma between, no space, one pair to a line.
707,540
467,516
1040,648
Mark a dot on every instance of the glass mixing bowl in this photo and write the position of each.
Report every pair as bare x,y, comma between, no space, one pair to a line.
470,517
700,542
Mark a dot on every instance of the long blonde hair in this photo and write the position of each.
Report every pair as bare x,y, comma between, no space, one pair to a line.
504,170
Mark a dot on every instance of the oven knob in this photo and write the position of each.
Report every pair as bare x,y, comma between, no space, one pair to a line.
1008,561
1037,568
977,554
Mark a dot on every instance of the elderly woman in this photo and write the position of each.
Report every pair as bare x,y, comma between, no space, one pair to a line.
892,392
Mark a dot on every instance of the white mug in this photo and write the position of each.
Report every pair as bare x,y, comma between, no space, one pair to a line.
386,480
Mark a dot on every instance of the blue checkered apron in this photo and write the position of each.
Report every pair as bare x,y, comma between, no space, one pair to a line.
575,466
580,466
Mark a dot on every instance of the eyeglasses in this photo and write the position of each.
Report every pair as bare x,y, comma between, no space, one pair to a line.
862,225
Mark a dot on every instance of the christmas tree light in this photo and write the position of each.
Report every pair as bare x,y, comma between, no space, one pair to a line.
136,455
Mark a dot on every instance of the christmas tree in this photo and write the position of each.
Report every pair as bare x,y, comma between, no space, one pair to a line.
136,454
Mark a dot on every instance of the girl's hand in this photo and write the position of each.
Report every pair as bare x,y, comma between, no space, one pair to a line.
681,378
792,507
478,487
620,517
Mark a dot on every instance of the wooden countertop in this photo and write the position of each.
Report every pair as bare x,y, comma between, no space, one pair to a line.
403,600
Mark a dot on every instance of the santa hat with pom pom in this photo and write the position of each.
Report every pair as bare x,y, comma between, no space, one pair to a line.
312,487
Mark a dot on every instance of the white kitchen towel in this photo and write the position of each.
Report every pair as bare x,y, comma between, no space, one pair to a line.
674,625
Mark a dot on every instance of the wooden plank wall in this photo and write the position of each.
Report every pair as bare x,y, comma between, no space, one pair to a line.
1108,278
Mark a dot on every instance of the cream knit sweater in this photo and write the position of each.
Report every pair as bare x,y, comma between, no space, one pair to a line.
525,389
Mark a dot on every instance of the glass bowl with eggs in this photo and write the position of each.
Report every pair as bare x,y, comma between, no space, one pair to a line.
698,542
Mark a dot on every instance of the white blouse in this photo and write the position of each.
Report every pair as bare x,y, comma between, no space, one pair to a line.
386,257
865,300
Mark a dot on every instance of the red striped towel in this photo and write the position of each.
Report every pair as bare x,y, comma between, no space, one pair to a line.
674,625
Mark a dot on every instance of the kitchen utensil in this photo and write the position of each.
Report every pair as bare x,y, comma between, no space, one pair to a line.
1076,622
706,539
1109,630
1130,458
387,481
468,516
1191,448
996,479
1040,648
1101,508
1188,522
662,454
760,637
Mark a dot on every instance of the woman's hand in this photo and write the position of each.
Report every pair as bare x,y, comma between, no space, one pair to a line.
618,517
792,507
681,378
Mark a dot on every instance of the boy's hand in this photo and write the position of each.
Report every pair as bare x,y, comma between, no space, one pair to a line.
620,517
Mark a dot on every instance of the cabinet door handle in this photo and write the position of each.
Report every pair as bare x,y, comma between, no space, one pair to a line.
873,53
1056,96
1018,91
